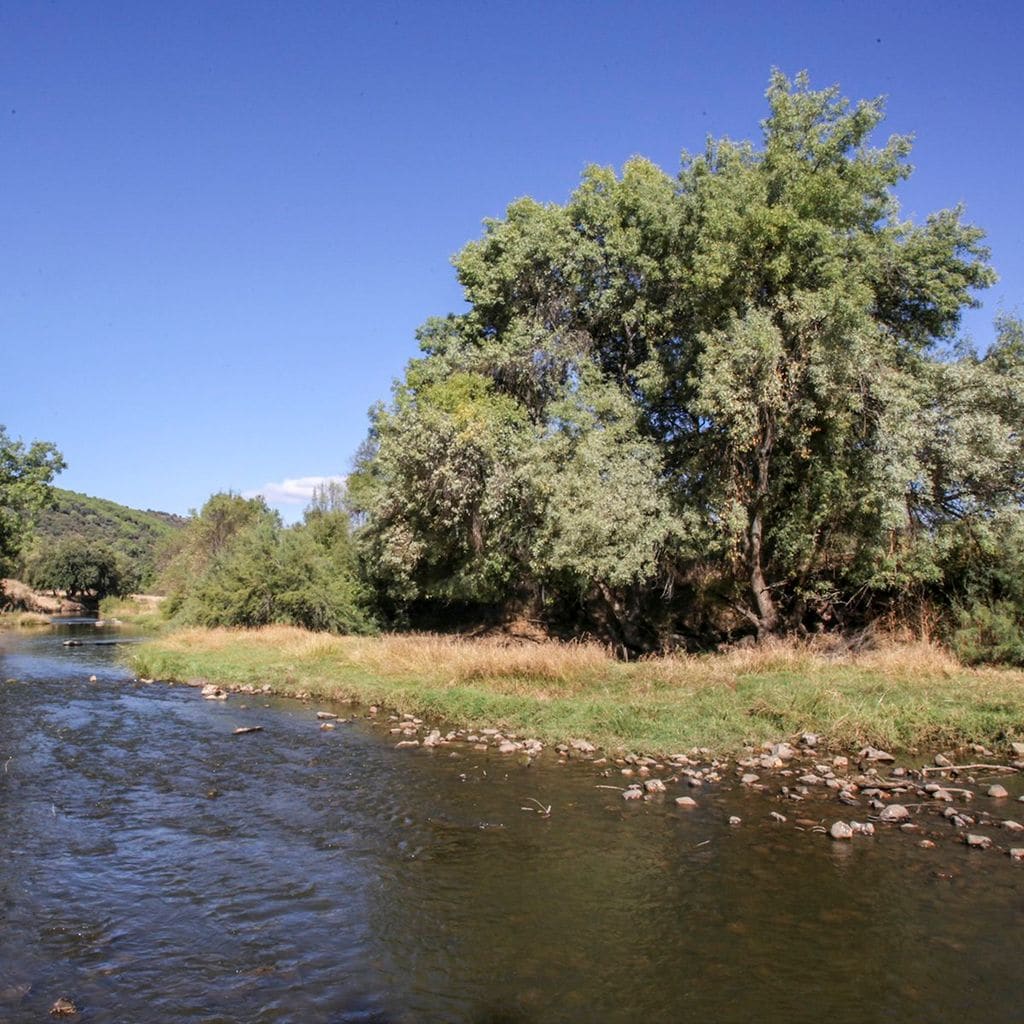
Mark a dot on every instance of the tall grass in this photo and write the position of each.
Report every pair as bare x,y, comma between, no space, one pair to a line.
902,695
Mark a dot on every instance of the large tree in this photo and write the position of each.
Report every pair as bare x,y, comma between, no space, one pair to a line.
25,476
740,381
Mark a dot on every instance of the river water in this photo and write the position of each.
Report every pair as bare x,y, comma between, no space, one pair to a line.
156,867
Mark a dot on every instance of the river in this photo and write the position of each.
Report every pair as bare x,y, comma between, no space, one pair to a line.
158,867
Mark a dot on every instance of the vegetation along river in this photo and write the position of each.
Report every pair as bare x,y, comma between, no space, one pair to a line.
156,866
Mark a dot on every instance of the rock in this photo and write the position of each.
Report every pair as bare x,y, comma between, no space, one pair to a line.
583,746
327,726
942,794
63,1008
694,782
654,786
848,797
685,801
749,779
212,692
1017,854
997,791
1013,826
941,761
862,828
92,679
811,780
874,754
735,821
243,730
809,739
633,793
325,715
784,751
840,830
406,744
977,842
926,844
775,816
506,747
840,762
894,812
1018,749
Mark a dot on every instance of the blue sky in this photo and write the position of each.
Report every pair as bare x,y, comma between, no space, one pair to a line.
222,222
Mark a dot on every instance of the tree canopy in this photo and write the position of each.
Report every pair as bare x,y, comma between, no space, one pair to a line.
733,398
25,476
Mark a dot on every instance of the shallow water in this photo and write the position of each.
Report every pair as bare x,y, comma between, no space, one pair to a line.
157,867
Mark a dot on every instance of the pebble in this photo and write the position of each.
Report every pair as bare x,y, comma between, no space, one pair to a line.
1013,826
404,744
654,786
1017,853
997,791
212,692
749,779
63,1008
326,715
735,821
862,828
1018,749
775,816
840,830
632,794
685,801
92,679
926,844
977,842
941,761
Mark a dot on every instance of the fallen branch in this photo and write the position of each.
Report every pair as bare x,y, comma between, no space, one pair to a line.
969,768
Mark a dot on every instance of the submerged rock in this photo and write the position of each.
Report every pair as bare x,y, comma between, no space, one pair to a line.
63,1008
685,801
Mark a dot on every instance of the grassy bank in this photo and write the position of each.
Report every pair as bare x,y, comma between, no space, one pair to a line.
899,696
23,620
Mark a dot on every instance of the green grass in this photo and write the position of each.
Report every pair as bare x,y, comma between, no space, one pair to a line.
900,697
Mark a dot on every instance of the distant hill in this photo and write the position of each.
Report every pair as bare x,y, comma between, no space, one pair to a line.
135,533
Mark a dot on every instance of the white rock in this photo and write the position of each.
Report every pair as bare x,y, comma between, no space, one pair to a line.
840,830
894,812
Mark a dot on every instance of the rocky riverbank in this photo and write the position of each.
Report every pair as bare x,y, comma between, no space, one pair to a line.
972,796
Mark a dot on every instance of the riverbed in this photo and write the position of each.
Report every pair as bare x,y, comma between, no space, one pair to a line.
157,866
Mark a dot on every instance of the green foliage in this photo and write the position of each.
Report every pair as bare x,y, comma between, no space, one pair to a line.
25,475
989,632
138,536
743,374
82,568
237,566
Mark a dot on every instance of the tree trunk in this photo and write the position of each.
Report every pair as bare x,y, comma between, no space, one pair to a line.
767,613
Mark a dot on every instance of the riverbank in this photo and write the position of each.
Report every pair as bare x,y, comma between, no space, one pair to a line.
903,697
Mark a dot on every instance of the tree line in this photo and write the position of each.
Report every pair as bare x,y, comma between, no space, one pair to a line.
678,410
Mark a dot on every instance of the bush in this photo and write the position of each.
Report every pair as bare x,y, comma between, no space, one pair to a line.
989,632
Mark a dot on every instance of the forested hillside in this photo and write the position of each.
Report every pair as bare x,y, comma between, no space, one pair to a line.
135,535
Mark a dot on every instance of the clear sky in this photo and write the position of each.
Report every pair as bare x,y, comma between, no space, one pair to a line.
222,222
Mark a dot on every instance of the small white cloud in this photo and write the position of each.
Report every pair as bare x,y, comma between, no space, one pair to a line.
293,490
